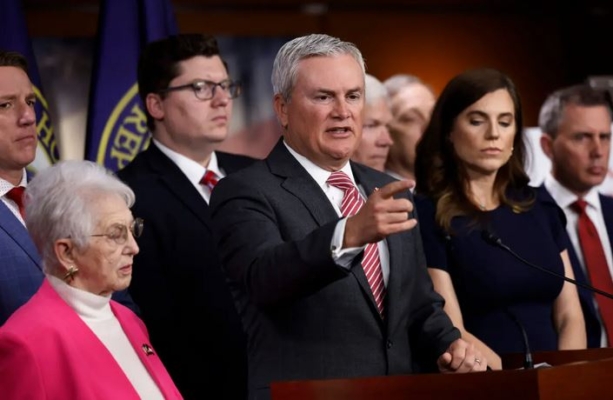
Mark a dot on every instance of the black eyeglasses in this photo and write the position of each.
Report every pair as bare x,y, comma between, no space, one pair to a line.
119,233
205,90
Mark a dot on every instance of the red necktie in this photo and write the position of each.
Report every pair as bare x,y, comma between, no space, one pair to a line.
16,194
209,180
351,204
596,265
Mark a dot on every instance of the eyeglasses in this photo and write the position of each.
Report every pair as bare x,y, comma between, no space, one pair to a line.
205,90
119,233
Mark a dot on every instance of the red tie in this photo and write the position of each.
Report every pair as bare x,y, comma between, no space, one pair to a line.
16,194
596,265
352,202
209,180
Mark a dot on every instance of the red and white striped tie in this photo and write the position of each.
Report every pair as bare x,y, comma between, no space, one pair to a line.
209,180
371,263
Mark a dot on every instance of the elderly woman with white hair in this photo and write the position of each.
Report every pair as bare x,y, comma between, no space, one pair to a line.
71,341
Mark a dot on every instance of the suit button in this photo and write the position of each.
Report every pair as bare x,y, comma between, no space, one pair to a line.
389,344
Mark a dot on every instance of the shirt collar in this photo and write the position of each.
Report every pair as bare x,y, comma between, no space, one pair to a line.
319,174
192,170
5,186
565,197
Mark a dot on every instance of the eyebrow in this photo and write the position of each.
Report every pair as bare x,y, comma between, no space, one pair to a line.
29,96
331,91
483,114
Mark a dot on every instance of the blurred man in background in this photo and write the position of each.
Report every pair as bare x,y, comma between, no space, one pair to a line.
576,126
376,141
411,103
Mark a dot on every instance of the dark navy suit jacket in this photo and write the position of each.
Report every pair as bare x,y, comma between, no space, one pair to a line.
592,320
178,282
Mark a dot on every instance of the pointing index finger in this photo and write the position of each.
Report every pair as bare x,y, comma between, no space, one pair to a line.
393,188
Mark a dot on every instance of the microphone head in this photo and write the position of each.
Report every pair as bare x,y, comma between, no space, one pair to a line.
490,237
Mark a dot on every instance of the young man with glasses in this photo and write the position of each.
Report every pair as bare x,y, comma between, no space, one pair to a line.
178,282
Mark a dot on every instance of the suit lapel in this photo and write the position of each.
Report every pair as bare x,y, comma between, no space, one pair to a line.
369,182
297,181
142,347
607,214
13,227
177,183
395,244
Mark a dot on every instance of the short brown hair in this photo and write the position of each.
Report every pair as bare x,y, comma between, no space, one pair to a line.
13,59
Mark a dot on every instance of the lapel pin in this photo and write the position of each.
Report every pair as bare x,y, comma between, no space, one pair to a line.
148,350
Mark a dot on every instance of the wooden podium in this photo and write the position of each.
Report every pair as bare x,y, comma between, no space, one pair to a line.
575,374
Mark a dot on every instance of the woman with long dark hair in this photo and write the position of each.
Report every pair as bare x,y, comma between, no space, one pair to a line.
471,184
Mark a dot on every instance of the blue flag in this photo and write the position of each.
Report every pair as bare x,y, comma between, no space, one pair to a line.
14,37
117,126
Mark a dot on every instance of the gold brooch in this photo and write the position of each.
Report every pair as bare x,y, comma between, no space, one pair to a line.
148,350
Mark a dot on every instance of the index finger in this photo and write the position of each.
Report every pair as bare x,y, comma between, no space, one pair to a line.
391,189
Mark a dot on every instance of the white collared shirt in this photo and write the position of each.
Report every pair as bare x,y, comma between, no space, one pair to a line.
343,257
5,187
192,170
565,198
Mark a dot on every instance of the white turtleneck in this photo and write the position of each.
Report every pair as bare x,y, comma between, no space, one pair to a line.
96,312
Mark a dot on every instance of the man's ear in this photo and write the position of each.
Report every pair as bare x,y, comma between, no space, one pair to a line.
64,250
153,102
547,145
280,106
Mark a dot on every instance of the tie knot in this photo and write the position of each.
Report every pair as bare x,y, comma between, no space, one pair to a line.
209,179
340,180
16,194
579,206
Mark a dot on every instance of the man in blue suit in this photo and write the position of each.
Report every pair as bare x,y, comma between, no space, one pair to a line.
576,126
20,265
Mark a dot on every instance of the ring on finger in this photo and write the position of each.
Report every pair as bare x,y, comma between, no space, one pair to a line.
478,361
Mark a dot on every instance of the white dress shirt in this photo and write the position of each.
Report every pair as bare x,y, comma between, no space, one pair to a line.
192,170
343,257
565,198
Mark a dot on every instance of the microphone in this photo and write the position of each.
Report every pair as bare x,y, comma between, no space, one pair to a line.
528,364
494,240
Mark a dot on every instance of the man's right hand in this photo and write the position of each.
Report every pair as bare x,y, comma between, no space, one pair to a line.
381,216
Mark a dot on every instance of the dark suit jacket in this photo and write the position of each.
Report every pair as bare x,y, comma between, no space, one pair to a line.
592,319
306,317
177,280
21,272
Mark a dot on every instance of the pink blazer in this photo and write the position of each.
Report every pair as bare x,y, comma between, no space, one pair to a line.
48,352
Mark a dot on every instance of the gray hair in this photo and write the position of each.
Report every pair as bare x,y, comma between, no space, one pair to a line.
552,110
396,83
59,204
286,62
374,89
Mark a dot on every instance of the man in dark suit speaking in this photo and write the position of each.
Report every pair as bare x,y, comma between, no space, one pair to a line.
177,280
329,283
